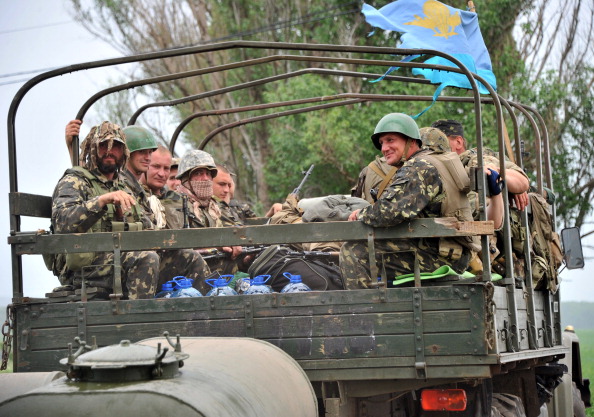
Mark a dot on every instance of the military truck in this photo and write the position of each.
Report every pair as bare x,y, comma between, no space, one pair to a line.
455,347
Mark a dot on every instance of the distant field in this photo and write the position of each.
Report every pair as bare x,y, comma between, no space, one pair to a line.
587,355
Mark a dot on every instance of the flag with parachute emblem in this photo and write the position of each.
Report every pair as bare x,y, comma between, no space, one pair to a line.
429,24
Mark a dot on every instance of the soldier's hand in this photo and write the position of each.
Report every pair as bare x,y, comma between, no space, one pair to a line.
72,129
119,198
353,215
233,250
275,208
521,201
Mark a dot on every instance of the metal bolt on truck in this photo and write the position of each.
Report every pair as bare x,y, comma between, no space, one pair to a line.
446,347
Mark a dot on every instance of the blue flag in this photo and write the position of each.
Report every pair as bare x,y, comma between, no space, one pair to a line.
429,24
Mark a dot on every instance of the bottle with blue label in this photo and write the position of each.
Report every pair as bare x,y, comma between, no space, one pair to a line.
258,285
295,284
184,288
220,286
166,290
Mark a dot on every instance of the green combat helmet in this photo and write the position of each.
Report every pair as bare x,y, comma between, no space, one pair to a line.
396,123
196,159
139,138
435,139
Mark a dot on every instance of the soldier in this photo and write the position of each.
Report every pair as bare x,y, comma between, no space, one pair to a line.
196,171
93,198
516,179
429,184
172,181
378,175
186,262
142,145
233,212
517,184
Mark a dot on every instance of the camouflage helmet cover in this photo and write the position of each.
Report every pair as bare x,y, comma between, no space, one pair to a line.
196,159
106,131
396,123
435,139
174,162
139,138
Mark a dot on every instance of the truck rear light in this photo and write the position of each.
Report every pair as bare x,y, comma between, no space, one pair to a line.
443,400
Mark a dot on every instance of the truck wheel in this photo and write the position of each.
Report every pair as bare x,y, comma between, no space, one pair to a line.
507,405
579,409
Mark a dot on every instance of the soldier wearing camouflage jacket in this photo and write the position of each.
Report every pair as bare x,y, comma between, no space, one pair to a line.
418,191
93,198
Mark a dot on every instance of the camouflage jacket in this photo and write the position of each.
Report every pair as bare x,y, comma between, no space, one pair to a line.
469,159
243,210
417,191
75,203
229,216
138,191
197,216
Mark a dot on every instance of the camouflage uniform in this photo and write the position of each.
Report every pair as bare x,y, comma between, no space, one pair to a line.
417,191
469,159
75,209
185,262
139,192
243,211
378,174
229,216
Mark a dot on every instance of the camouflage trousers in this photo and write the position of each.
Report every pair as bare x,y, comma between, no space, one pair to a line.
184,262
140,273
395,258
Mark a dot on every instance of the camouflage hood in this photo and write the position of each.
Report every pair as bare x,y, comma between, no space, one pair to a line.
106,131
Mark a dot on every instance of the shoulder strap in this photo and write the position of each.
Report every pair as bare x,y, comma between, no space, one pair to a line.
387,177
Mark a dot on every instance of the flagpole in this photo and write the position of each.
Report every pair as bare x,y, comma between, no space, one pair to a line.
471,7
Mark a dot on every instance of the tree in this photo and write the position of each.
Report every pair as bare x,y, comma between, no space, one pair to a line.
516,34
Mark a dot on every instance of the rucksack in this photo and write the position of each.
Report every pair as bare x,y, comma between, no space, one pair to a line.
315,273
546,253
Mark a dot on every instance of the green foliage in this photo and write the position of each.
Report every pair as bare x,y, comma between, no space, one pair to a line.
268,157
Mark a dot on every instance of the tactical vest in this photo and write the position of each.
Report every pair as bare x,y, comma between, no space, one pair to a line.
456,184
108,223
378,175
60,263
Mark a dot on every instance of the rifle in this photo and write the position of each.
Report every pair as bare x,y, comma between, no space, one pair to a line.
306,174
185,210
218,254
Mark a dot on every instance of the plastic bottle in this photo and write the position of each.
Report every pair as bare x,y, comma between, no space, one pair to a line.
295,284
258,285
184,288
166,290
220,286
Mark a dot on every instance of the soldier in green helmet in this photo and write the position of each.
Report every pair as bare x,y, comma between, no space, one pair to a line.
375,177
93,198
141,145
428,184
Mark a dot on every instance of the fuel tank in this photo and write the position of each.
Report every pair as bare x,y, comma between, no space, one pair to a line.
211,377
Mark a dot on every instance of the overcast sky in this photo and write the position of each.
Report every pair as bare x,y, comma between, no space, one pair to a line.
40,34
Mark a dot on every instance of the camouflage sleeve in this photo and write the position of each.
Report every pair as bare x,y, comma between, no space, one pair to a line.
72,210
415,187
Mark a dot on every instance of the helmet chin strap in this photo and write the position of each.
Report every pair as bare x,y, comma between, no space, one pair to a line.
406,149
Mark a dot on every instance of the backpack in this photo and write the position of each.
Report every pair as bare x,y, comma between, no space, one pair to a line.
315,273
546,252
